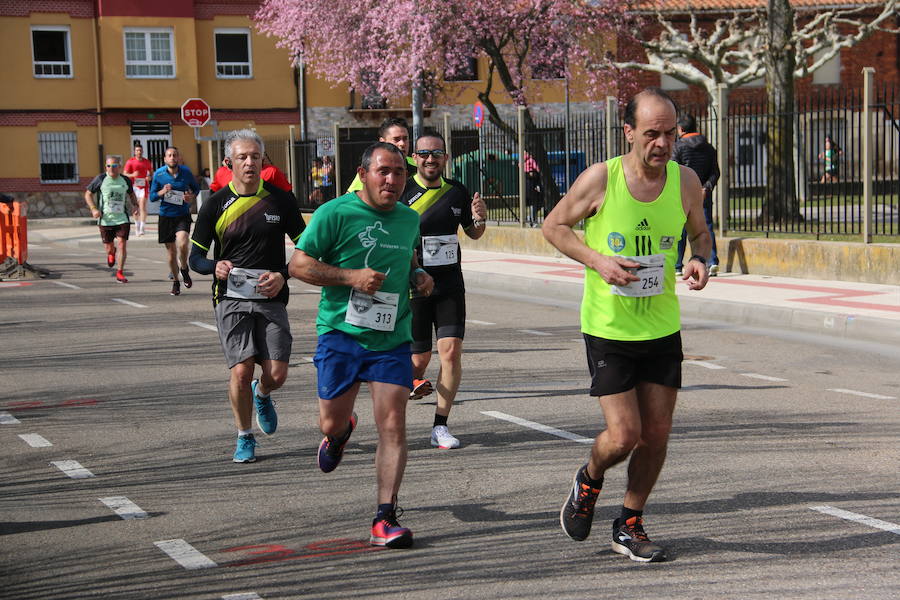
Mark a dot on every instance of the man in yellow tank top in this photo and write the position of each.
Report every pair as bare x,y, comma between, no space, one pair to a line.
634,207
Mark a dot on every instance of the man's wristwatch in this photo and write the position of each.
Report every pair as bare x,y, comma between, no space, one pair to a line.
698,257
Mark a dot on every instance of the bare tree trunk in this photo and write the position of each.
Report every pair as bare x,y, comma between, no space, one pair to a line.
781,204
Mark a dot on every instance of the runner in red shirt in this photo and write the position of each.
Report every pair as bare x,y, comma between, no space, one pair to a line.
140,171
269,173
221,179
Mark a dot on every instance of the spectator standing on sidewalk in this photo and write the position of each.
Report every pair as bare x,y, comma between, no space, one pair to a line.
693,150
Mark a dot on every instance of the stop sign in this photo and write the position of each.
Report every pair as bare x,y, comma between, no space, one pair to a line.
195,112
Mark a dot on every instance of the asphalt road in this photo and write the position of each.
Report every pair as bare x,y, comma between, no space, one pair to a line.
781,480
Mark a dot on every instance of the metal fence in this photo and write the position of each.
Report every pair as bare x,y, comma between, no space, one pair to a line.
486,160
825,202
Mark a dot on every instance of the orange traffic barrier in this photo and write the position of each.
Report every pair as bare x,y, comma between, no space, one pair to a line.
14,231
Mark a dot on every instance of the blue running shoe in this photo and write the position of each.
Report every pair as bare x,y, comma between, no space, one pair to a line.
266,417
331,451
246,449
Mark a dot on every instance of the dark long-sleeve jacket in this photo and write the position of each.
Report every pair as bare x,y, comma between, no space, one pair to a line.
693,151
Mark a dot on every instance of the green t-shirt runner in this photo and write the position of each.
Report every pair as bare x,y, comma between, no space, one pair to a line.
348,233
112,195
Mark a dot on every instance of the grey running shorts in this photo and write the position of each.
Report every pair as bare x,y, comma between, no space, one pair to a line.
253,329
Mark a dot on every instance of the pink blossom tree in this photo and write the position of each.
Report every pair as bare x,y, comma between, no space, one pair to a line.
388,45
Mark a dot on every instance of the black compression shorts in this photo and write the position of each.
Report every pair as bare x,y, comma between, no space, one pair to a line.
445,314
618,366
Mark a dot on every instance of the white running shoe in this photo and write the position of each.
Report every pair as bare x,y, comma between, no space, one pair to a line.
440,437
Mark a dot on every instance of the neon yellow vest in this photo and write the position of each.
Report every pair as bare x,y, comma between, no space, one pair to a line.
625,227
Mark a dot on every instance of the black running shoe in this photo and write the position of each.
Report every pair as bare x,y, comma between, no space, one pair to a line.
176,288
186,278
629,539
577,513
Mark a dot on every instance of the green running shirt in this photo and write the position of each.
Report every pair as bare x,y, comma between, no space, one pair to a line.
348,233
626,227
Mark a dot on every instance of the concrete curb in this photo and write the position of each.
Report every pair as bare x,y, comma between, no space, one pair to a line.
850,327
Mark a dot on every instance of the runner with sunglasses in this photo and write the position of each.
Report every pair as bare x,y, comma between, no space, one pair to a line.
444,205
110,198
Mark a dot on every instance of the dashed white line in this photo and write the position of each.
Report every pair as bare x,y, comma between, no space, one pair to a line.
704,364
8,419
308,359
35,441
205,326
477,322
185,555
243,596
863,394
538,426
124,507
534,332
857,518
128,302
71,286
763,377
72,468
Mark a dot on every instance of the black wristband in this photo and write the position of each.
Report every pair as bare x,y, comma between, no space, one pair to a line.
698,257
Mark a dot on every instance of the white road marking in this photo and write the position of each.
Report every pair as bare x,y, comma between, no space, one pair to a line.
704,364
534,332
35,441
185,555
75,254
72,468
857,518
863,394
477,322
543,428
128,302
8,419
763,377
124,507
205,326
67,285
308,359
242,596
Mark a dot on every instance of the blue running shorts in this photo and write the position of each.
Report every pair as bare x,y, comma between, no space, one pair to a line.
340,362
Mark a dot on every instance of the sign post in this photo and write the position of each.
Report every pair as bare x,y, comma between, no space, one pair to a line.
478,118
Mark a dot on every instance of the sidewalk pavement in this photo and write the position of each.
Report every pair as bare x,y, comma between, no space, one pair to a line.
852,310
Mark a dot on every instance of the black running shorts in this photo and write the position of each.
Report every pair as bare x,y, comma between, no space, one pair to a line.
618,366
443,313
168,226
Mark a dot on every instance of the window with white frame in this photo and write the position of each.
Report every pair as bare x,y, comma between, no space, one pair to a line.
51,51
59,156
233,54
830,72
149,53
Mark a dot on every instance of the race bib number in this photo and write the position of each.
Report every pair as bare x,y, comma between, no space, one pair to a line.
140,181
378,311
242,284
174,197
115,204
439,250
651,275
